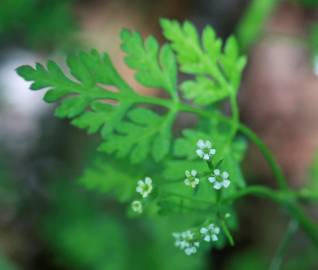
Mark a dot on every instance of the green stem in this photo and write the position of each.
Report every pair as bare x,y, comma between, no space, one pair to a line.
227,233
278,258
288,200
292,206
282,183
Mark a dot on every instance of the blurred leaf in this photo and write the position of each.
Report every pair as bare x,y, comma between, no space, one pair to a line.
38,24
251,24
106,176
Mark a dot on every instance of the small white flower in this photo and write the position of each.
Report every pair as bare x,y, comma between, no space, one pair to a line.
205,150
144,187
191,179
210,233
136,206
186,242
219,180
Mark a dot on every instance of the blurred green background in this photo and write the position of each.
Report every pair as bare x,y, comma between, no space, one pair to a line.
49,220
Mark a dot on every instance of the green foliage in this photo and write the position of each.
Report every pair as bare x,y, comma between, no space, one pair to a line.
37,23
87,235
313,176
154,67
307,3
5,264
217,72
105,176
192,179
119,124
313,40
249,259
97,98
251,24
145,131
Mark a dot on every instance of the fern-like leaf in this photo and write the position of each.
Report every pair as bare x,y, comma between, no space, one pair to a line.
217,72
126,129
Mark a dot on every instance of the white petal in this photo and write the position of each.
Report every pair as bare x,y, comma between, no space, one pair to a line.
225,175
207,238
196,181
217,185
206,157
190,235
187,182
184,244
216,172
212,151
203,230
148,180
208,144
226,183
140,182
200,152
197,244
211,179
177,243
211,226
200,143
139,189
214,237
194,172
217,230
188,251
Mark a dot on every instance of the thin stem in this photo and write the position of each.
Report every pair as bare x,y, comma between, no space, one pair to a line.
258,191
189,198
282,183
227,233
277,171
278,257
291,205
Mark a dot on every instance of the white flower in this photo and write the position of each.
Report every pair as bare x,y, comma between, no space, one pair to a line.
210,233
191,179
136,206
144,187
186,242
219,180
205,150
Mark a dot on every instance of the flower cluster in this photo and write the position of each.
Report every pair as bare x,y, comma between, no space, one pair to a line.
186,241
136,206
190,243
219,179
191,178
210,233
144,188
205,150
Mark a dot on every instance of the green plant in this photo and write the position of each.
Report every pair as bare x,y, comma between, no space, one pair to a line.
37,24
181,174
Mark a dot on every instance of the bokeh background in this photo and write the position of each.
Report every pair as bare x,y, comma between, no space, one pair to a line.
48,221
